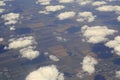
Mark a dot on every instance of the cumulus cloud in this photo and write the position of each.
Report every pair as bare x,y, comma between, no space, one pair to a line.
43,2
115,44
96,34
66,15
11,18
86,16
29,53
21,42
99,3
65,1
118,18
84,2
12,28
88,64
109,8
118,74
43,12
54,8
2,10
110,0
25,45
60,38
46,73
1,39
2,3
53,58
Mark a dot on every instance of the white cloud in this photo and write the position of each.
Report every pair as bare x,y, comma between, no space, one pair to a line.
43,2
115,44
88,64
46,53
96,34
26,46
85,16
12,28
109,8
84,2
99,3
53,58
21,42
2,10
11,18
118,18
51,8
1,39
65,1
110,0
43,12
60,38
54,8
46,73
118,74
29,53
2,3
66,15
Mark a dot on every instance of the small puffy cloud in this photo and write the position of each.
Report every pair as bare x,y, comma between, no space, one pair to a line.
29,53
85,16
46,73
109,8
11,18
88,64
110,0
84,2
54,8
46,53
21,42
115,44
26,46
43,12
118,74
65,1
12,28
1,39
60,38
51,8
53,58
66,15
96,34
118,18
43,2
99,3
2,10
2,3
